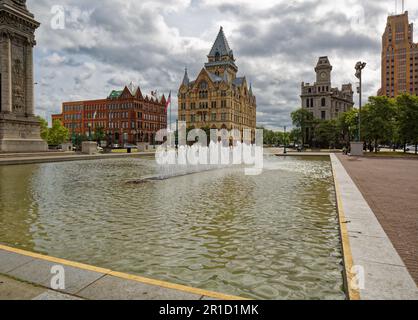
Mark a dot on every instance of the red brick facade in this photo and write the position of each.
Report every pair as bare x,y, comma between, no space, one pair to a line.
125,116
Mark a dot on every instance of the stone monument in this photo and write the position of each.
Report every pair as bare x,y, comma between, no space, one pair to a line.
19,128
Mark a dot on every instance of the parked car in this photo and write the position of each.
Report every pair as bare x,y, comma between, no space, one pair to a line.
410,148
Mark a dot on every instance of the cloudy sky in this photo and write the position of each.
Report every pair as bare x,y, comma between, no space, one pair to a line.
106,44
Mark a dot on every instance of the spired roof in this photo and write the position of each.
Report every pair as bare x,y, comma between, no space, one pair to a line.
221,45
186,80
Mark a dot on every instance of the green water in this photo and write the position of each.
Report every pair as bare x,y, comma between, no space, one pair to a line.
272,236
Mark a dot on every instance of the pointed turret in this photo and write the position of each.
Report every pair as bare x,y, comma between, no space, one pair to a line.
186,80
163,100
131,88
251,90
139,94
221,47
221,56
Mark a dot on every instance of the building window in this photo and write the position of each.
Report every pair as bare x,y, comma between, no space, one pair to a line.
323,102
323,115
213,117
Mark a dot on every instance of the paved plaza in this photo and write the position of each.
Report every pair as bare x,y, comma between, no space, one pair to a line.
390,187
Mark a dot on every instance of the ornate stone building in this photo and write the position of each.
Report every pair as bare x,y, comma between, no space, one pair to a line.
218,99
399,57
324,101
19,128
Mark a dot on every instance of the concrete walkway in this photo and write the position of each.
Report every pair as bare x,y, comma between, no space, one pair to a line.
374,269
27,275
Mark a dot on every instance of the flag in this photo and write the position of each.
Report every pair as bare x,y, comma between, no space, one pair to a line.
168,103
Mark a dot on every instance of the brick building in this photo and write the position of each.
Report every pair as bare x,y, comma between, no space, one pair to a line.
399,57
125,116
218,99
324,101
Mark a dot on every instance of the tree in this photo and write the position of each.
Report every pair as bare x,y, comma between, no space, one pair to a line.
347,125
58,134
44,128
326,134
99,134
295,136
378,120
303,120
407,119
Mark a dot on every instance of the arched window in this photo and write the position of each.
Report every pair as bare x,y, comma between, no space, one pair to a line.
203,85
203,92
217,56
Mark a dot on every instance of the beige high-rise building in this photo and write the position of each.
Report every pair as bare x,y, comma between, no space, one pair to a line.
218,99
399,57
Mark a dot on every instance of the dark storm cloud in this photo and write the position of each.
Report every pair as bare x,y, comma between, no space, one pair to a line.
108,43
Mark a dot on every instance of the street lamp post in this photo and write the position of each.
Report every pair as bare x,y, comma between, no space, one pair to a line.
357,146
359,68
89,125
285,140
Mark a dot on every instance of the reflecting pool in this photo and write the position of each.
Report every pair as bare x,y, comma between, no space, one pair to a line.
272,236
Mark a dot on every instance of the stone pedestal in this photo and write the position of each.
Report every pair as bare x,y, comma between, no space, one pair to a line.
143,146
19,128
357,149
89,147
20,134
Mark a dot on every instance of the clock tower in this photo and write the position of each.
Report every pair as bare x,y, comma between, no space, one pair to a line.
323,71
19,128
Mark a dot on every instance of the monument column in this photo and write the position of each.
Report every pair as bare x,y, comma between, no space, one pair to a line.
30,108
6,74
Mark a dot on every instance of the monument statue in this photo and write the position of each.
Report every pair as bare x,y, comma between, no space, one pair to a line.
19,128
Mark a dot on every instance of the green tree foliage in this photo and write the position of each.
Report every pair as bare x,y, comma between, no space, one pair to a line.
99,134
58,134
407,119
347,125
304,120
326,134
378,120
295,136
273,137
384,120
44,128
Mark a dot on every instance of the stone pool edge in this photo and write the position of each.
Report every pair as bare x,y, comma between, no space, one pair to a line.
95,283
368,253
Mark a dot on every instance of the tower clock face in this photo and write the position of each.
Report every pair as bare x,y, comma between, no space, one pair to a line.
323,75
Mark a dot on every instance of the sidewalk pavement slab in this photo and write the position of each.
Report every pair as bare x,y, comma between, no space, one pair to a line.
11,289
11,261
54,295
39,272
112,288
